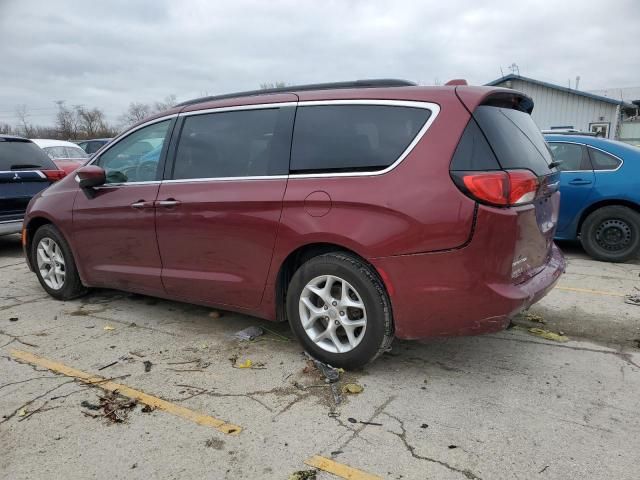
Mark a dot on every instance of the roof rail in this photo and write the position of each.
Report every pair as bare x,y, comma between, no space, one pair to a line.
373,83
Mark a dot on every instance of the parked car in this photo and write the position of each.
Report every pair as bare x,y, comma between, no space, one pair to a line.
600,187
383,213
24,171
93,145
66,155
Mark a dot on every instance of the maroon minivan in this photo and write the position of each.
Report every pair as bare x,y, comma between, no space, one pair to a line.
356,211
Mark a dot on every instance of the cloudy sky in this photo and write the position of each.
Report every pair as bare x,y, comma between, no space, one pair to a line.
110,53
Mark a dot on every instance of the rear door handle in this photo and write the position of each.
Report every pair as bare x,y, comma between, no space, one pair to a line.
142,204
579,181
168,203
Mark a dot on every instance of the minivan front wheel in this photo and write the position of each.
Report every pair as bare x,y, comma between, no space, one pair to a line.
339,310
611,234
54,265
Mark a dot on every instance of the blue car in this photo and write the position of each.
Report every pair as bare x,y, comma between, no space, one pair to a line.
600,188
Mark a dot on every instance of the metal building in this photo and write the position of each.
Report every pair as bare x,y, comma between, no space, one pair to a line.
557,107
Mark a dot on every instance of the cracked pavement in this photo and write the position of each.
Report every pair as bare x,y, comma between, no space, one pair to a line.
503,406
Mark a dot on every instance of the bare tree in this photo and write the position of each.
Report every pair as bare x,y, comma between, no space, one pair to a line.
136,112
168,102
91,121
5,128
268,85
23,120
67,122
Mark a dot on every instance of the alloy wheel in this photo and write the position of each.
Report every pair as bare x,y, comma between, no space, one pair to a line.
50,262
333,314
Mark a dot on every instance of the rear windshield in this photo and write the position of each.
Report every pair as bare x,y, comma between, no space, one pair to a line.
334,138
23,155
515,139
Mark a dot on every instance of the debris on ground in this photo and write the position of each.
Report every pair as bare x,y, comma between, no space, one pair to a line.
249,333
115,407
353,420
13,319
109,328
147,409
215,314
137,354
451,447
89,405
330,374
637,342
147,366
246,364
304,475
22,412
215,443
534,317
352,388
549,335
280,336
337,398
632,299
107,366
424,425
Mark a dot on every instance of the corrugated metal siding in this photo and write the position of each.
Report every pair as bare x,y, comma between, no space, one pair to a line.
554,108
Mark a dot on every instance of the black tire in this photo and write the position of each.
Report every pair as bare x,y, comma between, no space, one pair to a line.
611,234
377,335
72,286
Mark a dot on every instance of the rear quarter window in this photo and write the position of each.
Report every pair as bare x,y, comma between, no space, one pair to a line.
602,160
515,139
23,155
339,138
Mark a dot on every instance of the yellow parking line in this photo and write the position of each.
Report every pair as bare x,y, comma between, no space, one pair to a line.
141,397
595,292
342,471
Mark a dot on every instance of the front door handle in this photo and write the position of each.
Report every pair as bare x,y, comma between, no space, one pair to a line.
579,181
171,202
142,204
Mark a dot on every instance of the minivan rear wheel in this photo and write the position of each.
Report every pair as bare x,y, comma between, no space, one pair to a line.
611,234
339,310
54,265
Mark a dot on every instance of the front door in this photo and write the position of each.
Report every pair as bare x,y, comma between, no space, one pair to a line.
218,210
114,225
576,180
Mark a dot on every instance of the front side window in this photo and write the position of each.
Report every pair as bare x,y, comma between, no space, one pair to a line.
242,143
603,161
136,157
335,138
572,157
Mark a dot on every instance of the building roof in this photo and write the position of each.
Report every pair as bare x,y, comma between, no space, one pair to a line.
581,93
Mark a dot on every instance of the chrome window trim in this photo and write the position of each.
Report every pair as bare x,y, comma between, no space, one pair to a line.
433,107
236,108
586,145
118,185
226,179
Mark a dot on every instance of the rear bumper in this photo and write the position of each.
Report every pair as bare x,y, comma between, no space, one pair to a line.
449,293
12,226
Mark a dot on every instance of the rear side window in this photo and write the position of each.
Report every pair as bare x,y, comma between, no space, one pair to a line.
572,157
241,143
515,139
335,138
603,161
23,155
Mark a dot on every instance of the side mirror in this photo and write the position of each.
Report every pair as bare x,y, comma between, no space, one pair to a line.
90,176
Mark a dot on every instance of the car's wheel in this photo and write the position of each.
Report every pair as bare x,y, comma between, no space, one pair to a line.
53,262
339,310
611,234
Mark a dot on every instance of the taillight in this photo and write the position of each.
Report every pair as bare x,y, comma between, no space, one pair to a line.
54,175
502,188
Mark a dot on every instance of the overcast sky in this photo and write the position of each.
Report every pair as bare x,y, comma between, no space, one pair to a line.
110,53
